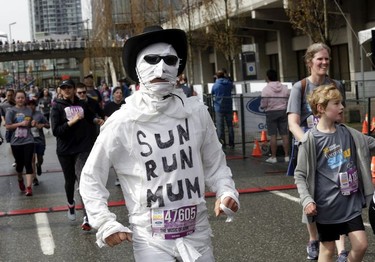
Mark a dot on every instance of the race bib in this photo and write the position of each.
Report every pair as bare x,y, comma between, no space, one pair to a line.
20,132
348,182
72,111
174,223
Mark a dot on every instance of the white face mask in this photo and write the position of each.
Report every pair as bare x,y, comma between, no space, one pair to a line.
147,72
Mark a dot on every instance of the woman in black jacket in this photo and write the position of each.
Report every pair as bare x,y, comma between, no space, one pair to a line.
71,125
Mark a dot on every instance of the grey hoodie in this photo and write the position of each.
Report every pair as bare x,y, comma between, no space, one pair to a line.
304,174
274,96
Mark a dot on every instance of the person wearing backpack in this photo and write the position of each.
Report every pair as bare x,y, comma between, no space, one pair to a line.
301,119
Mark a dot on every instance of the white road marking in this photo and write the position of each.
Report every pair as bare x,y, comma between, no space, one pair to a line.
47,243
287,196
296,199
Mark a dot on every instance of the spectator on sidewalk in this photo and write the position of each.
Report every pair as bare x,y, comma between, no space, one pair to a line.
18,120
71,121
274,101
223,106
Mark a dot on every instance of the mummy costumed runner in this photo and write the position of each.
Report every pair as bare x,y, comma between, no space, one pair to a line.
165,151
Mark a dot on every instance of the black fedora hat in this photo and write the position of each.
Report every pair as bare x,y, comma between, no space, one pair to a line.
152,35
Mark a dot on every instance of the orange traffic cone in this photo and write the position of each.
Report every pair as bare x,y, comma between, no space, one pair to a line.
373,167
372,125
365,126
263,136
235,119
257,152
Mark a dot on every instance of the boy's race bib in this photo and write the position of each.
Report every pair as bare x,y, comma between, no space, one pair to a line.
348,182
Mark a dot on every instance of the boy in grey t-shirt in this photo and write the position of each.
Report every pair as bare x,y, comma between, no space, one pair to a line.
333,175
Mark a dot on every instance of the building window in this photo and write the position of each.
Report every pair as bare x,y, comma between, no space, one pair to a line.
339,68
274,63
301,67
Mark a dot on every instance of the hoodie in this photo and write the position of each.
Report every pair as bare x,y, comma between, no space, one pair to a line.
222,92
77,138
274,96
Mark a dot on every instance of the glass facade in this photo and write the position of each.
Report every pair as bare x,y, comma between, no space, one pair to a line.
51,19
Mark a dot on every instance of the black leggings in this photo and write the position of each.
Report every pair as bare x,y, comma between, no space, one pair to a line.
23,154
72,166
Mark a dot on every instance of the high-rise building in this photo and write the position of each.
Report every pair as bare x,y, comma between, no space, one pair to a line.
128,16
56,19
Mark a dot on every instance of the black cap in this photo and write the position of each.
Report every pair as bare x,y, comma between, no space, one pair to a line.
68,82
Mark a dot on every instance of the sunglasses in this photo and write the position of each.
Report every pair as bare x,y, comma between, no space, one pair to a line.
66,87
170,60
81,92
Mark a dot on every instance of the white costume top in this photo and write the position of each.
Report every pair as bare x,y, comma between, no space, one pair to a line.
164,152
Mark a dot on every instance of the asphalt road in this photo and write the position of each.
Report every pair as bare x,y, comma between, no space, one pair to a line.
267,227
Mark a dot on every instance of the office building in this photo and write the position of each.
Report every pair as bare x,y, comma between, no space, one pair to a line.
56,19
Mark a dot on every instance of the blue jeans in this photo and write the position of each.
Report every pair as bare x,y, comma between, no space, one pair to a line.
228,118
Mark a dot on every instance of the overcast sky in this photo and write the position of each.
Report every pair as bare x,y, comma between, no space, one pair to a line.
17,11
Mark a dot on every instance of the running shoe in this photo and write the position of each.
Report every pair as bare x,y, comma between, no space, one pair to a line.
86,225
21,185
312,249
29,191
38,169
343,257
72,211
271,160
35,182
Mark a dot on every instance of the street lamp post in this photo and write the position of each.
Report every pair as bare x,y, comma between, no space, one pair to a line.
88,38
10,31
87,27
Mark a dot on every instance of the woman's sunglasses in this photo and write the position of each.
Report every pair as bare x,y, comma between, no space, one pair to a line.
170,60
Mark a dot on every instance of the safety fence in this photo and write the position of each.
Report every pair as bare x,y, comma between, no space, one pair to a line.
249,119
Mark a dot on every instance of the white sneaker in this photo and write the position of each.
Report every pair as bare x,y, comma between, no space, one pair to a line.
272,160
71,212
286,159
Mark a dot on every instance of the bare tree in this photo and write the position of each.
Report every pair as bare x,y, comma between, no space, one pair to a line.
222,29
142,13
315,18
